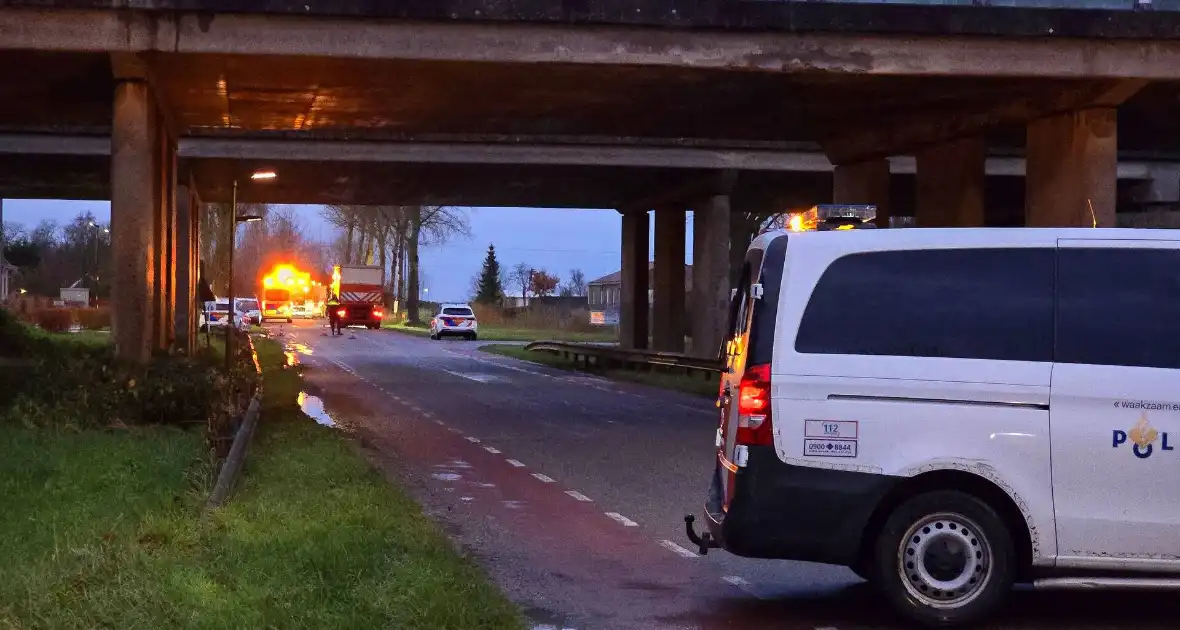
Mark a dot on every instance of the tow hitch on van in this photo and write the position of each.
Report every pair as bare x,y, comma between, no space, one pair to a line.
704,541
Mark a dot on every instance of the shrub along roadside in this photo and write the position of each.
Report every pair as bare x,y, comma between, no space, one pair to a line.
103,530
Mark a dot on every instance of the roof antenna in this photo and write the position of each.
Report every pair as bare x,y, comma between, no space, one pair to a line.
1093,217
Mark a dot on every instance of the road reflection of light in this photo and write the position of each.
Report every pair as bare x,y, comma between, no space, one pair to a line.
314,408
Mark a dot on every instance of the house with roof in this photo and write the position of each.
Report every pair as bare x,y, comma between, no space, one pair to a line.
605,294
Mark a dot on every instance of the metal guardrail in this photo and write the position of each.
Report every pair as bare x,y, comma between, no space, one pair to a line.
606,357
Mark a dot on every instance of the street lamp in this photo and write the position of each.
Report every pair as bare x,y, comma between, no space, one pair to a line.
234,220
97,228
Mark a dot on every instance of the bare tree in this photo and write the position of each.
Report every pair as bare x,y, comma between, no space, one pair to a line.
521,276
576,285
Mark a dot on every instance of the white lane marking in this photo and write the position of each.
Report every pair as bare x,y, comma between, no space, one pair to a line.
694,409
427,414
473,440
735,580
516,463
544,478
677,549
478,378
454,430
415,410
491,449
626,522
579,496
438,422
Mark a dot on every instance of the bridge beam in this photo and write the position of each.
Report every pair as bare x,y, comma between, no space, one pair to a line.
767,50
923,129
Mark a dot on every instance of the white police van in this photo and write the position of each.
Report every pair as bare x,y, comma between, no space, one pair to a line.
952,411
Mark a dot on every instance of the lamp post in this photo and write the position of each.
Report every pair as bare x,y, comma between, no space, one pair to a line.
97,230
234,220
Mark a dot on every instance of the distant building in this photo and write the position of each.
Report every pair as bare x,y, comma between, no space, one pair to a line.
606,293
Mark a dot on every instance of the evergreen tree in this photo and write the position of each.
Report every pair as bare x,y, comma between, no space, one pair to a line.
489,290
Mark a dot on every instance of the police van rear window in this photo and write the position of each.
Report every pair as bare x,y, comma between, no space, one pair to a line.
766,309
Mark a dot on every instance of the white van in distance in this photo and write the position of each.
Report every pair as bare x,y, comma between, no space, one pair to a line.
952,411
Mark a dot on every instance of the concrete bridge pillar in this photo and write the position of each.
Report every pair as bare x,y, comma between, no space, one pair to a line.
668,296
133,244
633,303
143,224
864,183
710,274
1072,169
164,211
949,183
188,230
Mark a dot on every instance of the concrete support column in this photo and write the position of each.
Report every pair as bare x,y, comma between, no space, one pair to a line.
864,183
950,183
1072,169
668,295
633,303
165,225
133,220
710,274
184,331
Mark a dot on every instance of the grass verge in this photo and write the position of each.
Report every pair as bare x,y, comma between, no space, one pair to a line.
696,384
102,530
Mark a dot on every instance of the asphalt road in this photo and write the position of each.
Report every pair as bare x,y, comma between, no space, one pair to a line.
571,490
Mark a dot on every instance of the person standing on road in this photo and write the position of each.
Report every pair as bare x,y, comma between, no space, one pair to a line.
333,316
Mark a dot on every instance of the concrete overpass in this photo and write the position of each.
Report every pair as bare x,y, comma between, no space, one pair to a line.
448,88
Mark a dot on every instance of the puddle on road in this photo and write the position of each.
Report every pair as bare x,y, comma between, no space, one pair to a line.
314,407
293,350
447,476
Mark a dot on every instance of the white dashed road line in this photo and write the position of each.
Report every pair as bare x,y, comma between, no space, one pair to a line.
492,450
623,520
578,495
677,549
545,478
516,463
454,430
735,580
473,440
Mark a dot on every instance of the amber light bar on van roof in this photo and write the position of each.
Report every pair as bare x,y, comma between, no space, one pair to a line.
832,216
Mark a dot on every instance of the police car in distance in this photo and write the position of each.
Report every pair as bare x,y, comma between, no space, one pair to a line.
952,411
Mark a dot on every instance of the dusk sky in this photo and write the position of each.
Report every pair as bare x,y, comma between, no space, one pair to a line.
556,240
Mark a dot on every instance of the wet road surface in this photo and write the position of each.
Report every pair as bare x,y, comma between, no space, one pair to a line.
570,491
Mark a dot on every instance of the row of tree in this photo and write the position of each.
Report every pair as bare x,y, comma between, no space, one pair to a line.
52,256
488,286
392,237
388,236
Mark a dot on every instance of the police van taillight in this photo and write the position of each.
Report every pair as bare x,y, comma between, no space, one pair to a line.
754,426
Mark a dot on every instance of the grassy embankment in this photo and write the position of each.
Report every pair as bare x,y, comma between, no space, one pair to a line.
494,325
696,384
102,529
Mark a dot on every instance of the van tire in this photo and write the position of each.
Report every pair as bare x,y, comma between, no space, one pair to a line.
935,518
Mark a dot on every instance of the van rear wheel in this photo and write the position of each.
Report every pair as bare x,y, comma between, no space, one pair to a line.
944,558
